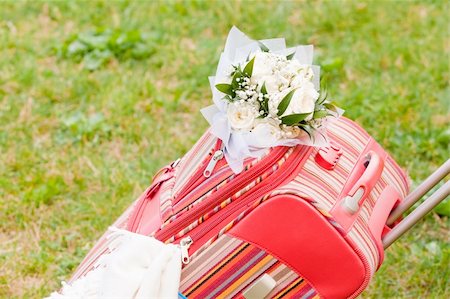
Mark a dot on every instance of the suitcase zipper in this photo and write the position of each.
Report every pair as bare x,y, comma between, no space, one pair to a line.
184,247
207,166
366,267
218,155
240,181
218,180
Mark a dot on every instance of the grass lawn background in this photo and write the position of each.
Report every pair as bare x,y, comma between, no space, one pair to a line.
77,146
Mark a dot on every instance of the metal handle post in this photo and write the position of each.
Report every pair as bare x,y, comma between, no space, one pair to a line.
416,215
420,191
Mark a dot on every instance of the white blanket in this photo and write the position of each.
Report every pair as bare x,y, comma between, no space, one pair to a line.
138,267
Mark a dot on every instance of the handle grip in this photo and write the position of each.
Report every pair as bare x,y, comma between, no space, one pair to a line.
362,188
387,201
361,182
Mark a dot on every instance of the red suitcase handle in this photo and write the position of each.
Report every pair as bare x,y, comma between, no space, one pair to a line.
385,203
362,188
346,210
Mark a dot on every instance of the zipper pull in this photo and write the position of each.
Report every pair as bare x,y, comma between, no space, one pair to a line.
212,163
185,243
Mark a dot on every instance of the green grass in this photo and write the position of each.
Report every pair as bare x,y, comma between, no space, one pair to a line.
77,146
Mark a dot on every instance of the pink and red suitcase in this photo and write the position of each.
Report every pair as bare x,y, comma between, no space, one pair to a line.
312,219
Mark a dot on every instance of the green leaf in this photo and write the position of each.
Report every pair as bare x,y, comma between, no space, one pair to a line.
228,98
76,48
330,106
263,89
237,73
290,56
263,47
225,88
323,82
318,107
293,119
93,60
265,101
443,208
285,103
248,70
234,82
141,51
323,96
320,114
95,40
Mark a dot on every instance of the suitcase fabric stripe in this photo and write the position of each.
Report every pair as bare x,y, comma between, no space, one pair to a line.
230,265
193,158
166,199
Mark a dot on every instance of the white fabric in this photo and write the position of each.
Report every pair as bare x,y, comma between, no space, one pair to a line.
138,267
240,145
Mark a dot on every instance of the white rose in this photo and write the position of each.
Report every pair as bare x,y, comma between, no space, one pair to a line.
274,83
304,74
292,68
297,81
274,71
266,133
242,115
303,99
262,66
266,65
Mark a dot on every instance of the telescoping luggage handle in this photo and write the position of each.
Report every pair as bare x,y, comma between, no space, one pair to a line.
418,213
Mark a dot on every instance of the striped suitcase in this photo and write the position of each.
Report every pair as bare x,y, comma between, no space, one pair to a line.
306,221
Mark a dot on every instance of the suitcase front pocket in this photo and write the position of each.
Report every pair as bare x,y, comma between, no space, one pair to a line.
292,230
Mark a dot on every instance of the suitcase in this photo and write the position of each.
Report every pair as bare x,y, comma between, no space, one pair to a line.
299,222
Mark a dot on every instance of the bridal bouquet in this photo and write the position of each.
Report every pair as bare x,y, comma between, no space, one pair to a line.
266,95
